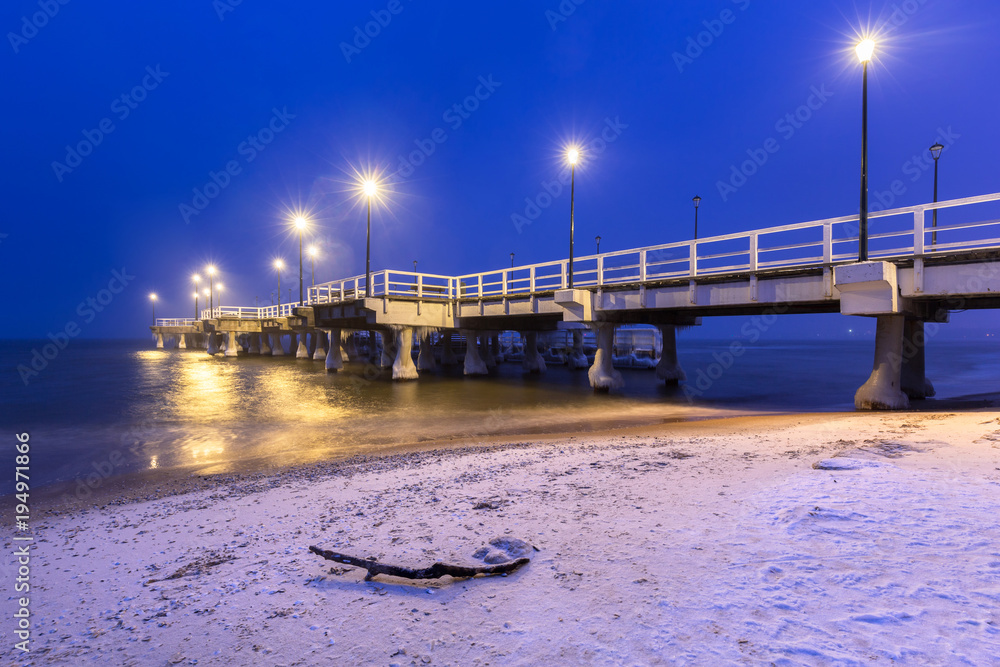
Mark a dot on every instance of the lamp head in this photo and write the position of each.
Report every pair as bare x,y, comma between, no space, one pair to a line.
597,238
312,250
696,200
211,270
195,295
865,50
278,264
936,150
206,291
152,297
370,188
573,156
301,222
196,278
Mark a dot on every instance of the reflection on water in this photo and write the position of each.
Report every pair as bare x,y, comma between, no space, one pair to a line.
183,409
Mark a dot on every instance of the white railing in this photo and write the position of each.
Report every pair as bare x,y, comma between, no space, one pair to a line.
175,322
902,233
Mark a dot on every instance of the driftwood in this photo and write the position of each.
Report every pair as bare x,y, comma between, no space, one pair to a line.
435,571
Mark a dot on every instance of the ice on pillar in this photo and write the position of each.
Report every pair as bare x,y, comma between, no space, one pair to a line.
577,357
425,359
668,369
319,344
213,343
474,365
402,367
182,342
388,355
351,348
174,342
603,376
485,353
303,349
265,344
882,391
277,347
254,344
313,338
448,357
334,360
913,375
159,341
232,344
533,362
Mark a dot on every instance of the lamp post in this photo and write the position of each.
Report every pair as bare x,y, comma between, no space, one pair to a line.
300,224
697,201
572,156
195,304
211,291
278,266
598,239
935,153
219,288
152,300
512,260
864,50
370,188
312,259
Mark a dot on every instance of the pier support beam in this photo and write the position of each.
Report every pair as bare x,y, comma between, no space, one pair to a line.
182,343
351,347
302,352
402,367
265,344
319,344
254,344
577,357
448,357
533,362
425,360
474,365
213,344
669,370
913,378
882,391
603,376
277,349
159,341
232,344
334,360
485,352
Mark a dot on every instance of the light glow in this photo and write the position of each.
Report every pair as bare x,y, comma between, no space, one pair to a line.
278,264
865,50
196,278
370,187
312,250
152,297
301,222
573,155
211,270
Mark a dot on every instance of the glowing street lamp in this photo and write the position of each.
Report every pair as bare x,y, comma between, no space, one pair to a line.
573,157
370,188
211,290
935,153
697,201
300,224
152,300
865,50
278,266
312,250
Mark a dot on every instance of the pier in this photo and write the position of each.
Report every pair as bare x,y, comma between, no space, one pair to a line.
916,275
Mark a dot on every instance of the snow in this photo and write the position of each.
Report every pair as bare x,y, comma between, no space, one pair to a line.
715,542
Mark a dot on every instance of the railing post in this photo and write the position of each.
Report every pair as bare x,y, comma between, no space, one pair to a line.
564,278
531,279
642,266
420,286
503,281
828,243
600,270
479,286
753,253
693,261
919,219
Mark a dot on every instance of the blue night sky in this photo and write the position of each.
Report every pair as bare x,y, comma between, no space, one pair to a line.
212,75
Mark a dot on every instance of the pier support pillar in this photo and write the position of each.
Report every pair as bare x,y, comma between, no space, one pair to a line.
334,360
254,344
302,352
213,344
425,360
265,344
603,376
669,370
402,367
448,357
182,341
277,349
388,355
474,365
577,357
495,346
232,344
320,339
351,348
159,341
913,378
486,352
533,362
882,391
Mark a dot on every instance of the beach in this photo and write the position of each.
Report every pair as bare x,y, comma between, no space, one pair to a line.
839,538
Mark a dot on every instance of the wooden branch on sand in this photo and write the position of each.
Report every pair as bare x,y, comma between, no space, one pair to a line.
435,571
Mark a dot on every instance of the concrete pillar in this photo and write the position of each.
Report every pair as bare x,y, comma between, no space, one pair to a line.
319,344
159,341
232,344
882,391
485,352
425,360
474,365
533,362
603,376
577,357
402,367
351,349
313,342
182,341
213,343
302,352
265,344
448,357
277,349
913,379
669,370
254,347
388,355
334,360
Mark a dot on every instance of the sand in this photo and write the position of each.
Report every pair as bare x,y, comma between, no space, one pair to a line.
824,539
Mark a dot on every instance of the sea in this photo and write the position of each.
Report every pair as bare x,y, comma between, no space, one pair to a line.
120,407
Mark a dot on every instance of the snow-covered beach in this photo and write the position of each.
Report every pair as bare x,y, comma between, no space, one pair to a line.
812,539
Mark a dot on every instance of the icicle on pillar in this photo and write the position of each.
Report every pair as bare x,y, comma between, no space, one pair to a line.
388,355
182,342
603,376
303,349
232,344
533,362
320,339
277,347
882,391
669,370
402,367
265,344
334,360
913,376
448,357
577,357
213,344
474,365
351,347
425,360
159,341
254,344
